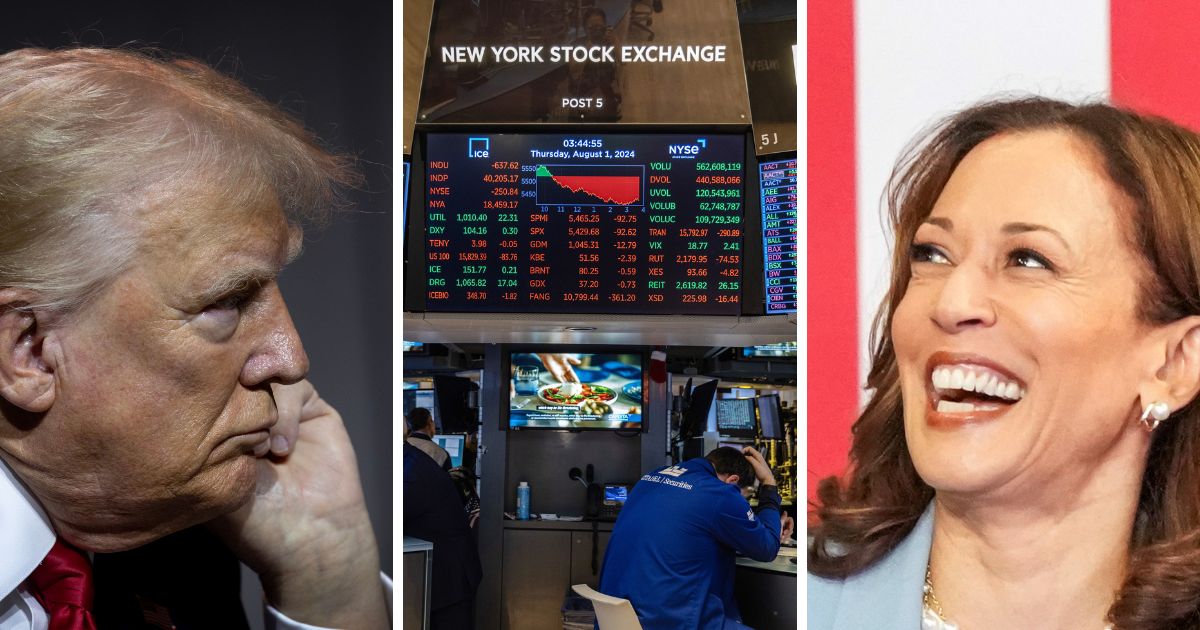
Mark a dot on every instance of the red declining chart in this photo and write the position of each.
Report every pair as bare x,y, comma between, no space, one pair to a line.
619,190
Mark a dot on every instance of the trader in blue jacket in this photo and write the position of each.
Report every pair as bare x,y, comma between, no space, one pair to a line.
672,549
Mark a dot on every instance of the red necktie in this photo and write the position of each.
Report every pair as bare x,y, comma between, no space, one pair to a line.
62,583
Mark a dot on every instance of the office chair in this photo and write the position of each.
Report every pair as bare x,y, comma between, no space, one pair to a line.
612,613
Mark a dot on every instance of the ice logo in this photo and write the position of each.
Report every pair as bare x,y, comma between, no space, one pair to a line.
478,147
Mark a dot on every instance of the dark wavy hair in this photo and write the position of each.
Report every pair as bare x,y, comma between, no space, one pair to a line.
860,517
730,461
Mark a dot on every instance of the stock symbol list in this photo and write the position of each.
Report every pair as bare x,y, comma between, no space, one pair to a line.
777,185
609,223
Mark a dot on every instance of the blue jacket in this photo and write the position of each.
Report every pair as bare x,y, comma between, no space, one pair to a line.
885,596
672,549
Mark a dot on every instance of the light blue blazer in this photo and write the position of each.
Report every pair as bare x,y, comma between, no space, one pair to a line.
886,596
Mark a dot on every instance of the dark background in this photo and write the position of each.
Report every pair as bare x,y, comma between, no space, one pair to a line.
329,64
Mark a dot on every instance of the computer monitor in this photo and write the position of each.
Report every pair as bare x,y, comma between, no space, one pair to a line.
735,417
695,418
414,398
451,395
768,417
454,445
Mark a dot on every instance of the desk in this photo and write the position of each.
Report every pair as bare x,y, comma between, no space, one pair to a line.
418,563
541,560
766,592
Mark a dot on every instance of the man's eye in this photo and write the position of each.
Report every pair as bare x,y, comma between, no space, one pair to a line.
1029,259
924,252
233,302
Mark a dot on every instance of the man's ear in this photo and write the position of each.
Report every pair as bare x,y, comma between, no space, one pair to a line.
1177,379
734,479
26,378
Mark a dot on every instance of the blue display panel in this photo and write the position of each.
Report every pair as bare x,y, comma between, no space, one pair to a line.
777,185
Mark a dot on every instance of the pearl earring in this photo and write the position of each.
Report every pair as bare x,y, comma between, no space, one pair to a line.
1157,410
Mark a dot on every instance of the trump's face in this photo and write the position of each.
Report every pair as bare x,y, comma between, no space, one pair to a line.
162,385
1018,339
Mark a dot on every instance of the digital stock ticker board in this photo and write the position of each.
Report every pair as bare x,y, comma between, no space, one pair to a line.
584,223
777,189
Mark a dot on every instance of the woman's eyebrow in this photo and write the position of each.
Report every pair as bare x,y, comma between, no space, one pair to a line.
1020,228
942,222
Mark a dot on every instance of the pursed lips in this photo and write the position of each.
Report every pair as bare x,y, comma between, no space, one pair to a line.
261,447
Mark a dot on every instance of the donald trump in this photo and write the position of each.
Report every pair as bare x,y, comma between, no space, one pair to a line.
150,375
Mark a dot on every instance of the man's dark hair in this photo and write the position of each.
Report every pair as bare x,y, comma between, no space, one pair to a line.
727,460
418,418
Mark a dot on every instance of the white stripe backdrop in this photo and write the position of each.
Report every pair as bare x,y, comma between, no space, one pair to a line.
919,61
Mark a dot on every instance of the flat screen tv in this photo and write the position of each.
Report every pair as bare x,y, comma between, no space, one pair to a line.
605,391
774,350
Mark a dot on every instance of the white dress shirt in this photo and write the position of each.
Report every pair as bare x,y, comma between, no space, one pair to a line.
26,537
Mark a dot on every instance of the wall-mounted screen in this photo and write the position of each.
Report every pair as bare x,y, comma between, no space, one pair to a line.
777,190
785,349
575,391
584,223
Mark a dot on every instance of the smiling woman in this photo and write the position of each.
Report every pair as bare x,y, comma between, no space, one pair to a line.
1043,319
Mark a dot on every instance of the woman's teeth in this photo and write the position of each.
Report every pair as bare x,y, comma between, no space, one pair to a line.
951,380
946,406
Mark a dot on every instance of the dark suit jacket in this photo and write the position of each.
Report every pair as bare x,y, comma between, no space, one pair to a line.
434,512
189,578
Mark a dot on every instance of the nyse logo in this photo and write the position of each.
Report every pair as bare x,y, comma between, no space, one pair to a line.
687,150
478,147
674,471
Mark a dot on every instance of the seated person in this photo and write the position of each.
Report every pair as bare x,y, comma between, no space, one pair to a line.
672,549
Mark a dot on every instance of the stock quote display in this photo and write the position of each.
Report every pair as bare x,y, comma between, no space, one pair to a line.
612,223
777,186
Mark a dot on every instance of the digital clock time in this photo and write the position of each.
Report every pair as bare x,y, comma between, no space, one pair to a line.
583,143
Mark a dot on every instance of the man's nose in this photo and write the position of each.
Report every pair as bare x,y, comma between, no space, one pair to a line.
278,355
965,300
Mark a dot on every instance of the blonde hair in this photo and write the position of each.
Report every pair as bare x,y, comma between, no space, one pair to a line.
92,138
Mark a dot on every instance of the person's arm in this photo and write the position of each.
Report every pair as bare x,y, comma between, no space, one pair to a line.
559,365
736,525
751,534
306,531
